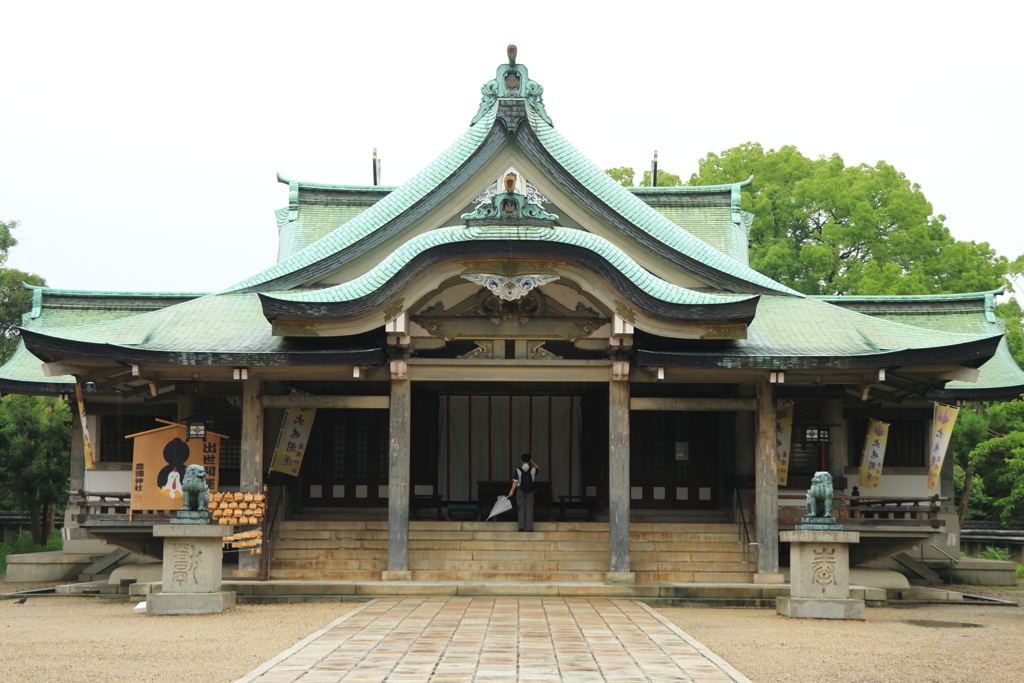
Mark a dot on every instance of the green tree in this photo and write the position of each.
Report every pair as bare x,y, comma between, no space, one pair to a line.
823,227
35,459
623,175
15,300
665,179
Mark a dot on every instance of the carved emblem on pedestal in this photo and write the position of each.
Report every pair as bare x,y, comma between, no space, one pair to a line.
823,567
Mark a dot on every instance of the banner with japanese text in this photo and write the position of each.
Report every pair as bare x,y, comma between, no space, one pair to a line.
90,462
943,420
291,444
873,455
783,439
160,458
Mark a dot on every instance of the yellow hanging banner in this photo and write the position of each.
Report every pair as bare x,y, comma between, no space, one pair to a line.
783,440
291,444
943,419
90,462
873,455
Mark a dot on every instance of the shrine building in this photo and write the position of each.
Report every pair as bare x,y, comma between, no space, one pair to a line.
512,298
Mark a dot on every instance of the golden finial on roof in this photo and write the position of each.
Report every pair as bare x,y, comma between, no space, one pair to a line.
512,54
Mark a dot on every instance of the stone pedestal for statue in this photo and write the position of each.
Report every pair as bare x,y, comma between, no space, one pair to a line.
192,570
819,565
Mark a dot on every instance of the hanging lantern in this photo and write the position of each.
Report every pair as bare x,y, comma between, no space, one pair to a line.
817,432
196,428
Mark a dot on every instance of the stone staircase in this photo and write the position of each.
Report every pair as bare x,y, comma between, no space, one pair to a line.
333,550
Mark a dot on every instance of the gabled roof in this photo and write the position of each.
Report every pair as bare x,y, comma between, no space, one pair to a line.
524,118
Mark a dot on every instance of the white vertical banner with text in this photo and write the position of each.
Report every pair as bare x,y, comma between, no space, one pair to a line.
874,455
292,442
943,419
783,439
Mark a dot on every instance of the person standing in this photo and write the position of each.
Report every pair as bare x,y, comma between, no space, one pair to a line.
523,486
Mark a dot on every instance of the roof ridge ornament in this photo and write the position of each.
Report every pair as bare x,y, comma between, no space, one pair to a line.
512,81
509,208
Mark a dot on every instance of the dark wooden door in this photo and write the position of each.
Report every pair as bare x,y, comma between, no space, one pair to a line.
674,460
348,459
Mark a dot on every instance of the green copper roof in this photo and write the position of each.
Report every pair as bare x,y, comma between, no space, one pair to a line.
788,332
518,99
54,309
387,269
633,209
386,209
214,329
971,313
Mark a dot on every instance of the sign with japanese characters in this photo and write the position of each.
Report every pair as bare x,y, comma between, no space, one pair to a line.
873,455
159,459
291,444
943,419
783,439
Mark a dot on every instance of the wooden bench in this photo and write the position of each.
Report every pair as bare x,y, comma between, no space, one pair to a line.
590,504
426,502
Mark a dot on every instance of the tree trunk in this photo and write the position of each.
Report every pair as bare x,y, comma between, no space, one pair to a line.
965,495
48,512
35,523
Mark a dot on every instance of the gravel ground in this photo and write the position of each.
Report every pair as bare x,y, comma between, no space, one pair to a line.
92,639
769,648
56,638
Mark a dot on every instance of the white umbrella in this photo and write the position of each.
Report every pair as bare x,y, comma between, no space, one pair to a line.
503,505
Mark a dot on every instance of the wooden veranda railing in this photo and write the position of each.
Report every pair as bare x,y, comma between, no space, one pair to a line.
873,511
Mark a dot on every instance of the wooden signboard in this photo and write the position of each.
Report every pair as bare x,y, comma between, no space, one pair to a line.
159,461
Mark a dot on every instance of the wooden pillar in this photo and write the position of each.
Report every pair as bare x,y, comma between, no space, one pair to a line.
398,481
251,476
837,455
767,511
618,482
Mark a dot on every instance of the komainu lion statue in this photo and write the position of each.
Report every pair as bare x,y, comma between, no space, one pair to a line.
196,492
819,496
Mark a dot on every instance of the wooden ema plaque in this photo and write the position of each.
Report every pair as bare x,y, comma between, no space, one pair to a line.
159,461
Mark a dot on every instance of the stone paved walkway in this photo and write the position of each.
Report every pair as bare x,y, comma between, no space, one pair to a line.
498,640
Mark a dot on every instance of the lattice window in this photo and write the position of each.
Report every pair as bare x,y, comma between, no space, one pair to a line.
906,446
113,447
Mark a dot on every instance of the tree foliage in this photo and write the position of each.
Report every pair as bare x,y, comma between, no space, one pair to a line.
15,300
989,440
823,227
35,458
625,176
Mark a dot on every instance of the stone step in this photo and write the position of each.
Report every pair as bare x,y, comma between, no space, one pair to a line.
332,565
551,576
636,528
321,575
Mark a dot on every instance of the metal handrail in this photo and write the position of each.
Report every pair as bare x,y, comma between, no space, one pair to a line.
952,560
746,533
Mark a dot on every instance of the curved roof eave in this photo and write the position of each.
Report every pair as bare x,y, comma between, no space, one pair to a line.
971,352
373,288
39,343
522,237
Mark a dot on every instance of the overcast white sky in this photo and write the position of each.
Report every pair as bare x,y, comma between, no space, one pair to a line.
139,141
